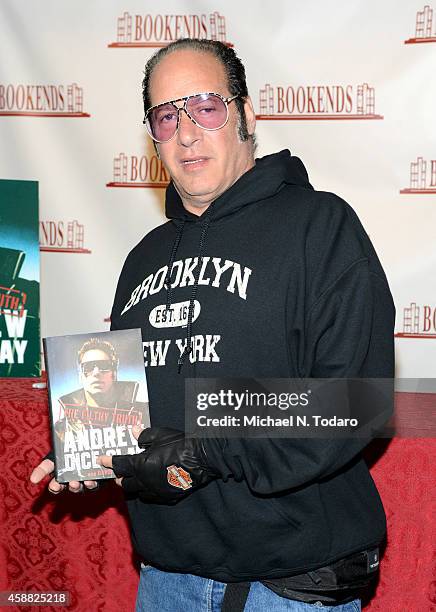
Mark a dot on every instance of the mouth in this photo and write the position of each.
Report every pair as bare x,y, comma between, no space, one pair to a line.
194,162
97,383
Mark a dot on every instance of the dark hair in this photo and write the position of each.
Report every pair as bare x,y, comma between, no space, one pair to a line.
233,66
101,345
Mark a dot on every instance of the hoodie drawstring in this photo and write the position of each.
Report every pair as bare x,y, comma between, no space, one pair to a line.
188,347
167,283
207,218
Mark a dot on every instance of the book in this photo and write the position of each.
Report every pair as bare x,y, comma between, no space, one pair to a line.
20,345
97,393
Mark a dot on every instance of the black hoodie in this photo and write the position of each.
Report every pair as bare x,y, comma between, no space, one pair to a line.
288,285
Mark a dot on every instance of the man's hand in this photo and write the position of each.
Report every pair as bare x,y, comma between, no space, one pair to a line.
46,467
170,467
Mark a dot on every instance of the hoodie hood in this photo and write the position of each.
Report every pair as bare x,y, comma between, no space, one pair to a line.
265,179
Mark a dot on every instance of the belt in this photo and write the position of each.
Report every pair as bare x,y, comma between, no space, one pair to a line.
235,596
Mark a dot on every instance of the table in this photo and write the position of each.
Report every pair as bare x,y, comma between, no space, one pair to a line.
81,544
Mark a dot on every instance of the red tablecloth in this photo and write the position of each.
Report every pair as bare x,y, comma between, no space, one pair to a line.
69,543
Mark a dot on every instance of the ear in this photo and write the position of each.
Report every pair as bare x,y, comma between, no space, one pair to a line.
250,115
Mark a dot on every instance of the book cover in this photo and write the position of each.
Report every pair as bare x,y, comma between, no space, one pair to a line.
20,350
97,392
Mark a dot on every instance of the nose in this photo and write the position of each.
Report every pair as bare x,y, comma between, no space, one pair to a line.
188,132
93,371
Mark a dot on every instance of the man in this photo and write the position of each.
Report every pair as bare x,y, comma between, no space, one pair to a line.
278,281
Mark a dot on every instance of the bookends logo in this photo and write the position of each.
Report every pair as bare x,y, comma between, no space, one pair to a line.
160,30
317,102
418,322
422,177
425,31
134,171
62,237
42,100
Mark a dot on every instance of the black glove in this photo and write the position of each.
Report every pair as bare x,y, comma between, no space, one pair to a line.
170,467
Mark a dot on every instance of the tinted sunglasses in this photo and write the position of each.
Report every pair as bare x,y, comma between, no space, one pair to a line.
103,366
209,111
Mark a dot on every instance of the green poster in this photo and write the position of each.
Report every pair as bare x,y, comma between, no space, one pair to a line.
19,279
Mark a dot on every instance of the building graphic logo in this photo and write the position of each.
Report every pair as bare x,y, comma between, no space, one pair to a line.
160,30
418,322
422,177
42,100
425,30
317,102
134,171
62,237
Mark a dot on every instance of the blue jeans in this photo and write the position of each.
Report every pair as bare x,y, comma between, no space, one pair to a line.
167,592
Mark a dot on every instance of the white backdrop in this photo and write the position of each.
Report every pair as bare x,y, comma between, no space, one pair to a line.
71,118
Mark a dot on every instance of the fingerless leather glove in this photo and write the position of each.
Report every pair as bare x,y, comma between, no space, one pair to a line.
170,467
